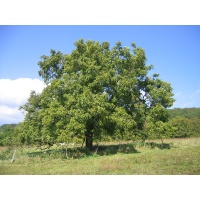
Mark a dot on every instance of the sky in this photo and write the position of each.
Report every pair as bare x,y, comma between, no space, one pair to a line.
174,51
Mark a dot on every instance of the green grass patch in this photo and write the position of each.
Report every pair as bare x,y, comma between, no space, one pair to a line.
176,156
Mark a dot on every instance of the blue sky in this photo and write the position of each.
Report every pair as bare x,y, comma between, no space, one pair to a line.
174,51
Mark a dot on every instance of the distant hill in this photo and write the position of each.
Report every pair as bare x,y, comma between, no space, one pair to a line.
188,113
5,127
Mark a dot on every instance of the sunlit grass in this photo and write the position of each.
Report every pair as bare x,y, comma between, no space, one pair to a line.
182,158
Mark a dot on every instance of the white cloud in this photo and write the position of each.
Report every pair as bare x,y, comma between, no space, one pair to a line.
14,93
10,115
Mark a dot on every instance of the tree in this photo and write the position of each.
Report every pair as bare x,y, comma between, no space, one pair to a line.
7,134
185,112
185,127
94,91
157,123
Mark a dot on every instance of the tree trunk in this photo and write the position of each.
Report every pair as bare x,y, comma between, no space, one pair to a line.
83,142
89,140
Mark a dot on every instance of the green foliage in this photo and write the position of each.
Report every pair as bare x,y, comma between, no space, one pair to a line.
185,121
164,123
93,93
184,112
156,126
184,127
7,134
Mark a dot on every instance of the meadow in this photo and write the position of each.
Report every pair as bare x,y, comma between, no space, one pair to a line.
174,157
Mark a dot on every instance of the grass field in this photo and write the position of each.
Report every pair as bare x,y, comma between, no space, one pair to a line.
177,157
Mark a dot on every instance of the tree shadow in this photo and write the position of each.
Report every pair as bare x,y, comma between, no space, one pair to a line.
101,150
161,146
116,148
78,152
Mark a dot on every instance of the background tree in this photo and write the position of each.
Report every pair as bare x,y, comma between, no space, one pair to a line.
188,113
7,135
93,92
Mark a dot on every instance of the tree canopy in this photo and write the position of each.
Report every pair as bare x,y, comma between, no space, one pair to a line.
94,92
